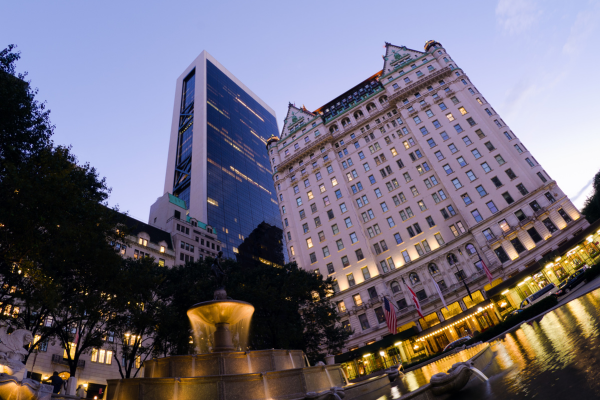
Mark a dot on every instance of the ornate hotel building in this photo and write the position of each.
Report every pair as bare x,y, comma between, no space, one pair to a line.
412,176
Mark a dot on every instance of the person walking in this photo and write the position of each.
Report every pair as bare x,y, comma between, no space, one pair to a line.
80,391
57,382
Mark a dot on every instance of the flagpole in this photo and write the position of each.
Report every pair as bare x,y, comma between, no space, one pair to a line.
463,279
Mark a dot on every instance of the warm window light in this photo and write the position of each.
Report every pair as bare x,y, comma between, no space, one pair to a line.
367,355
397,343
162,249
506,291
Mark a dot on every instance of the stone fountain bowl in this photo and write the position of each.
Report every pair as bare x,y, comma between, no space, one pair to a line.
221,311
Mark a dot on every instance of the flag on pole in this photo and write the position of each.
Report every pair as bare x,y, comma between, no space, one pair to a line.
390,315
485,268
439,292
414,299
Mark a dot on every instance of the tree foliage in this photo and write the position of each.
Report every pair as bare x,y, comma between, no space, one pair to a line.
292,310
591,207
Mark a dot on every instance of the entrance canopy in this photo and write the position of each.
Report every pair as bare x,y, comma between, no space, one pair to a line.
384,343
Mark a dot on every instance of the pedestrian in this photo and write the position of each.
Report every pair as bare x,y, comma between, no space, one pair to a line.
57,382
80,392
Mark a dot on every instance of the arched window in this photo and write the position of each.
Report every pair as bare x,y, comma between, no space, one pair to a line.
470,249
346,122
370,107
434,269
414,278
334,128
383,99
451,259
395,287
358,114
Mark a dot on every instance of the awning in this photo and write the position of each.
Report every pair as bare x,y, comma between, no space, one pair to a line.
538,266
384,343
466,313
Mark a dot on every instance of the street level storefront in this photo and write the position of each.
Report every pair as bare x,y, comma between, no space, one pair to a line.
382,354
479,317
581,251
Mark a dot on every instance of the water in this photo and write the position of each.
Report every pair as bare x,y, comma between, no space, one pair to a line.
555,357
292,359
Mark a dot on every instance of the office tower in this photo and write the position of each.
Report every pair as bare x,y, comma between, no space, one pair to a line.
412,176
217,164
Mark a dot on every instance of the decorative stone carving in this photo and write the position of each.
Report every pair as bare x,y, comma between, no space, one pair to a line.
453,381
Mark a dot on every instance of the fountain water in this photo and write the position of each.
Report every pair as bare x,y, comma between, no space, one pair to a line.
479,374
292,360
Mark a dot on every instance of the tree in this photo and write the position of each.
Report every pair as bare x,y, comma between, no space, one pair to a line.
133,327
591,207
292,307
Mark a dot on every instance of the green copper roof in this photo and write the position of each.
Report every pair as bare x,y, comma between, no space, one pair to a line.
177,201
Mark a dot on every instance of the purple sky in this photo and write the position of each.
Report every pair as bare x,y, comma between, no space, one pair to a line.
108,69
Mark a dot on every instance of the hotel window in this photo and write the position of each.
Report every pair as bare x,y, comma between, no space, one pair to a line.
306,183
364,322
302,214
471,175
564,215
359,254
504,225
456,183
439,239
330,214
519,150
480,133
313,258
436,123
406,256
481,191
348,222
353,238
448,169
549,197
535,236
305,228
489,235
452,148
476,215
549,225
521,188
466,199
508,198
341,306
542,177
343,207
309,243
366,273
439,155
454,230
468,141
458,128
335,229
518,245
490,146
461,161
340,244
351,282
501,254
507,135
476,154
492,207
299,201
531,164
455,100
500,159
496,181
443,106
450,117
398,238
317,222
325,251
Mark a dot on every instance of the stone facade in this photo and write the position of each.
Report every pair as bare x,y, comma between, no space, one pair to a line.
412,176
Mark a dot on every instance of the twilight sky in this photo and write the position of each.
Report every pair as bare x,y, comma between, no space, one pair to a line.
107,69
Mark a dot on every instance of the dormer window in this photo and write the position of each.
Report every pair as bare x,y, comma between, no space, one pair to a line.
162,249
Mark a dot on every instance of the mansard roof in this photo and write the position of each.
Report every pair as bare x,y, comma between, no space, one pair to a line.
295,116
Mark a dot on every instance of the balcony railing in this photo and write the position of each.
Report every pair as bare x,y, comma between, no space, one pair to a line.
59,359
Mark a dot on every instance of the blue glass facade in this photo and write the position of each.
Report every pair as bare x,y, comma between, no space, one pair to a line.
239,187
181,183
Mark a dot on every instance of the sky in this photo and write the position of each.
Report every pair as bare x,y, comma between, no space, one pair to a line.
107,69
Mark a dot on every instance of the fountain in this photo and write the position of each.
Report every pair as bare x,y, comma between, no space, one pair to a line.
225,372
14,383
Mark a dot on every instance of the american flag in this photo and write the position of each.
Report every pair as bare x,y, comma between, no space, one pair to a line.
485,268
414,299
390,315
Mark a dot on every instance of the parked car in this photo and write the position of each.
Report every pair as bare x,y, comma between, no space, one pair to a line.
568,284
457,343
544,292
513,312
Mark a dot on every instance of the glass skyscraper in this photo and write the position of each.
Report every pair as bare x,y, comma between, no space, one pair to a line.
217,159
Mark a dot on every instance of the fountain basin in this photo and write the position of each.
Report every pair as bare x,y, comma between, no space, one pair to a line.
284,384
224,363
